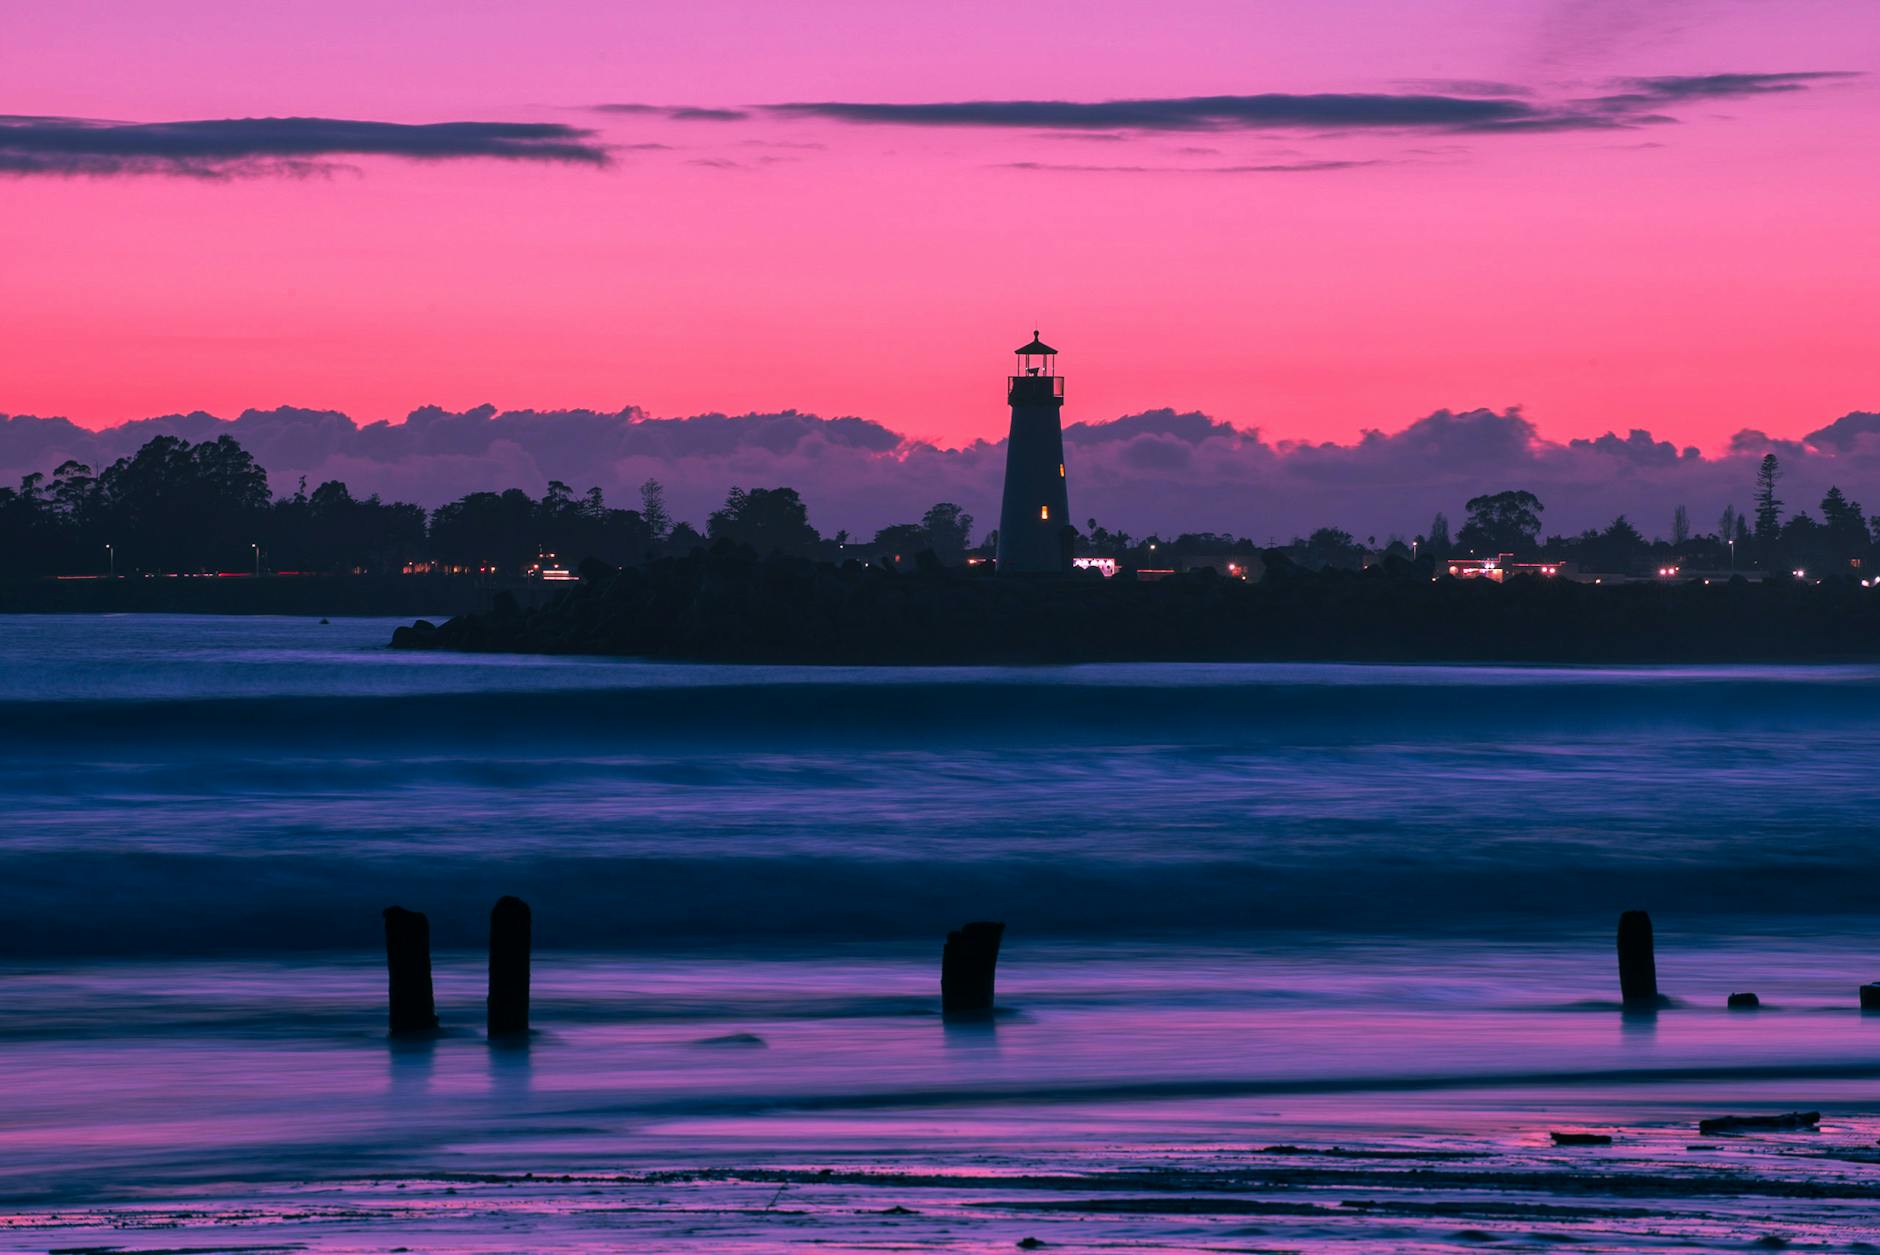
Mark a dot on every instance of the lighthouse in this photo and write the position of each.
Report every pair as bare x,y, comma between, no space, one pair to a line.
1035,517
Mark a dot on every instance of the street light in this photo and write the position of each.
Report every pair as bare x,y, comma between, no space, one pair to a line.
257,549
1732,556
110,553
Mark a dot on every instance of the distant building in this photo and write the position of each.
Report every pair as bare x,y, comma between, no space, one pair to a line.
1234,566
547,567
1035,532
1500,567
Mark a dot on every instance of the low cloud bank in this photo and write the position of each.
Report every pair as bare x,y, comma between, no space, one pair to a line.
1155,471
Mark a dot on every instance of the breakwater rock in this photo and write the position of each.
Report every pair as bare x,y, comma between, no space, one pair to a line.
727,604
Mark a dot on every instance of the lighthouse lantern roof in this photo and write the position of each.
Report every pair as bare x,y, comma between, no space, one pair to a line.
1036,348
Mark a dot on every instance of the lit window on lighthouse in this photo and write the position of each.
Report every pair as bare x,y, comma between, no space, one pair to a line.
1060,470
1044,512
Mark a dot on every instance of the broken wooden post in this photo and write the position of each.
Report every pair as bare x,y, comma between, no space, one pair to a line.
1870,997
968,965
1638,967
408,962
508,1007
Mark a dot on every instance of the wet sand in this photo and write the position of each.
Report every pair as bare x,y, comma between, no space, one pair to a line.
1309,1096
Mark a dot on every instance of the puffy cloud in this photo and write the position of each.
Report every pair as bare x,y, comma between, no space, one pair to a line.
1158,470
1858,432
1638,447
237,147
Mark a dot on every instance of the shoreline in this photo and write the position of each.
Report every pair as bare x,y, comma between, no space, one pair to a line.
749,1115
727,605
243,595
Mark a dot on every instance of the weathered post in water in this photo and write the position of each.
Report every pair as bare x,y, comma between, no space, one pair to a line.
968,966
408,962
510,927
1638,966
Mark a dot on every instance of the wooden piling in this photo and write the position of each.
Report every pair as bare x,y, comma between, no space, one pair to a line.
408,963
1870,997
968,966
1638,966
510,929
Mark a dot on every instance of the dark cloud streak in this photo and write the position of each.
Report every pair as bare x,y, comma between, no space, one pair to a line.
676,113
1710,86
1497,108
249,147
1642,94
1290,167
1278,110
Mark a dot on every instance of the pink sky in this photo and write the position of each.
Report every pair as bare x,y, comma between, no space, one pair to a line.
1693,276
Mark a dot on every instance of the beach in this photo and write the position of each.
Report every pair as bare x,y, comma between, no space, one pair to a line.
1300,958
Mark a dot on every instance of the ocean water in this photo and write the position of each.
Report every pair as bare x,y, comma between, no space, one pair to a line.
1298,957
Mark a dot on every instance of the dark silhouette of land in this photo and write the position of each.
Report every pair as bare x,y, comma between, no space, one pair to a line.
314,594
176,509
728,604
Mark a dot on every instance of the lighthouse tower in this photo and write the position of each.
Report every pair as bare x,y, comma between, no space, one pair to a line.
1035,517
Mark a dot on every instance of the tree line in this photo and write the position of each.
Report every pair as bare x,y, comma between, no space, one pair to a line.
173,506
1842,539
177,507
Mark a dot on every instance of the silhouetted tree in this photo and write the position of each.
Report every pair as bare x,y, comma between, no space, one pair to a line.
653,509
578,530
331,530
1845,524
173,506
1502,522
1616,549
949,532
899,544
1680,526
1437,543
1329,547
767,519
1802,544
1768,505
487,529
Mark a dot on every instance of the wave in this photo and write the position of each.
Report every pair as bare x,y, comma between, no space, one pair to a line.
144,904
706,805
1176,1089
969,709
